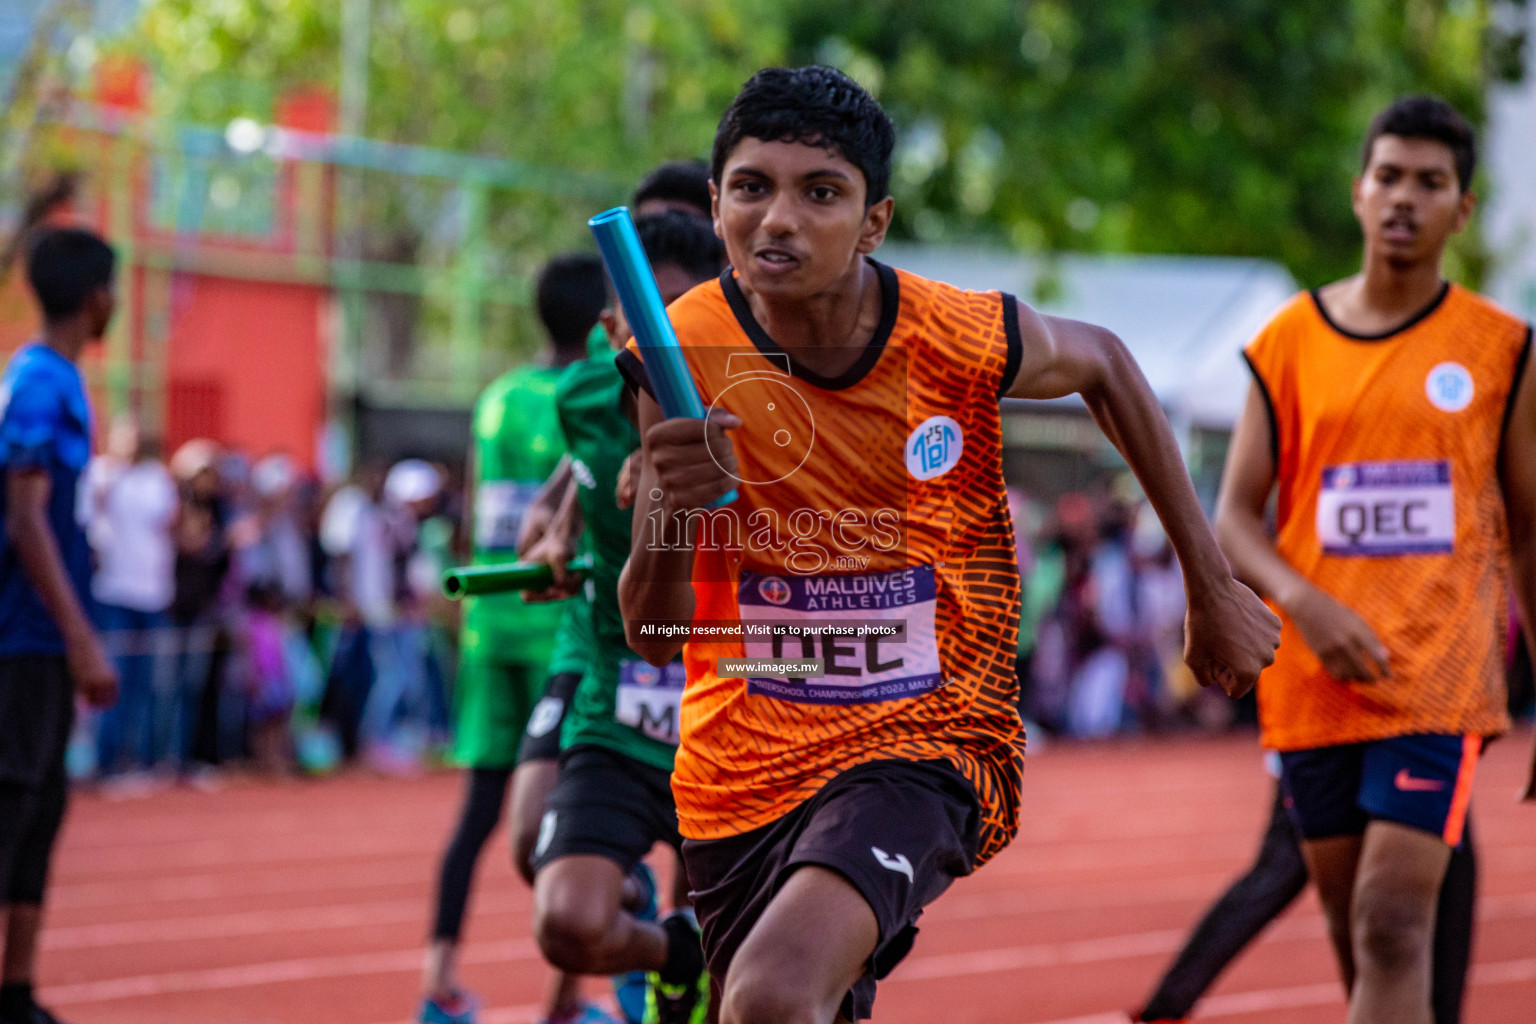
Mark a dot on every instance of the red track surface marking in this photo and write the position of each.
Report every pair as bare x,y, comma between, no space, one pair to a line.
308,904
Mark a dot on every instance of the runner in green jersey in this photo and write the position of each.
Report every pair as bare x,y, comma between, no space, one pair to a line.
613,801
621,703
506,643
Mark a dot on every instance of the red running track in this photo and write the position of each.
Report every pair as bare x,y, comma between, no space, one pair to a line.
307,903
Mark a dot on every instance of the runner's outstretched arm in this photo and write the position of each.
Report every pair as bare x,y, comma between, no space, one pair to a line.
1230,635
1518,465
676,476
1347,647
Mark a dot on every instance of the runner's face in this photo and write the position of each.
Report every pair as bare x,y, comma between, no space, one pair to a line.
1408,200
793,217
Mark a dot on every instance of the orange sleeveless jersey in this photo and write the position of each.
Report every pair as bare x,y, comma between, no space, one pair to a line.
1387,459
872,522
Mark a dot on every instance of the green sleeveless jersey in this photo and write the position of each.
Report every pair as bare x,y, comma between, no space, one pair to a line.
622,703
517,444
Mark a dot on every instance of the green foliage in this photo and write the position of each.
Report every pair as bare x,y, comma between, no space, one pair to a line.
598,86
1186,126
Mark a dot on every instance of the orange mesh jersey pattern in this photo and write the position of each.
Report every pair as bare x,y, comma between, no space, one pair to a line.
747,759
1428,401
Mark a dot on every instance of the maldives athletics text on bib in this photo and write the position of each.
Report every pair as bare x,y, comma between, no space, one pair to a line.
874,633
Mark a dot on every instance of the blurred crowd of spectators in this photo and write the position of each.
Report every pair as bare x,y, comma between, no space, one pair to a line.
1102,638
1101,643
258,619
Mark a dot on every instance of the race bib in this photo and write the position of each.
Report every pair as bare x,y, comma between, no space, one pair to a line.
649,699
873,632
1387,508
499,509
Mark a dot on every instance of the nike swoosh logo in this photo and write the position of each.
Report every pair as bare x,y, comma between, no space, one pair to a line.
898,863
1408,784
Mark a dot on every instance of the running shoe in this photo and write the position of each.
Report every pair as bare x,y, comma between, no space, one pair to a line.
459,1009
631,988
587,1013
678,1004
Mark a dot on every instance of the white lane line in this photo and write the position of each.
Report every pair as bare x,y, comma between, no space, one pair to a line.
944,965
1292,928
1042,954
269,882
1234,1004
258,922
373,912
249,853
274,972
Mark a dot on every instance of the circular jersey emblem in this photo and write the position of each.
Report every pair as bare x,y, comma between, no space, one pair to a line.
546,715
934,448
773,590
1449,387
643,673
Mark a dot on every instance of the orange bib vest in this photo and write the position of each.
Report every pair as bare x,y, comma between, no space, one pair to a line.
1387,453
872,529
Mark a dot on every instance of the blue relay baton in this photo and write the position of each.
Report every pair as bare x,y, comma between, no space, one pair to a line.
633,279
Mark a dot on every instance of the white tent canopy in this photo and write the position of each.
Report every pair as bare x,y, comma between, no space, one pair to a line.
1184,318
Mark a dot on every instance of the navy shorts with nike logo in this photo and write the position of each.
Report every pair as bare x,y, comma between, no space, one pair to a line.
899,831
1421,781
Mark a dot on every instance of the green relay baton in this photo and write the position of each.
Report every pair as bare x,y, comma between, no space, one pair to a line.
505,577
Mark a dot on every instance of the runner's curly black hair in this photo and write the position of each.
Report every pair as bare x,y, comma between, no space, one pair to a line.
683,241
818,106
1427,117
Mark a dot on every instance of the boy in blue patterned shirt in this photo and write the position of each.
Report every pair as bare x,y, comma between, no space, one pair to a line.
48,647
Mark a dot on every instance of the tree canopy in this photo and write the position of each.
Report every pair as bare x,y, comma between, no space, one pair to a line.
1184,126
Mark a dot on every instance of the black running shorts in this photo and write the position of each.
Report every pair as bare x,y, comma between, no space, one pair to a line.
37,708
900,831
609,805
541,740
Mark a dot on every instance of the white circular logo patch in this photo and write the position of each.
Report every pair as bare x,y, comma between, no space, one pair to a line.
934,448
546,715
546,834
774,590
1449,387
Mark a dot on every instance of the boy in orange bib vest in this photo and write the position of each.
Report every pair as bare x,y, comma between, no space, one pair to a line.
850,735
1390,410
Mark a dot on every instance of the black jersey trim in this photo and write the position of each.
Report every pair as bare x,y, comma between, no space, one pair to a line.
1521,363
632,367
1317,303
890,305
1269,409
1015,344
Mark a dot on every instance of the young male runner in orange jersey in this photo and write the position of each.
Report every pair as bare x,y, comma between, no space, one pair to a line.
856,413
1390,409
